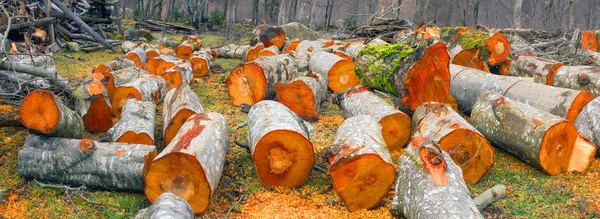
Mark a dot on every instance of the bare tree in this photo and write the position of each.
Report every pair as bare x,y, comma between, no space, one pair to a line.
311,17
232,10
517,13
328,13
255,12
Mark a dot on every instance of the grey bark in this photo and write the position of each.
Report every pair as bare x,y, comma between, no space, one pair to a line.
532,66
70,124
137,117
588,123
585,78
231,51
311,17
490,196
151,88
517,13
167,205
44,69
84,100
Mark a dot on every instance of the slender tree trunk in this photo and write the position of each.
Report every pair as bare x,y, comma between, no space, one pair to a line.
255,11
517,13
300,14
231,16
282,15
328,14
476,12
147,14
311,18
571,14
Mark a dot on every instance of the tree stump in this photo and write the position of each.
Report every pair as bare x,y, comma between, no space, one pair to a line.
338,72
191,165
279,143
268,36
542,70
136,125
180,104
93,104
303,95
468,147
585,78
42,112
359,163
111,166
146,88
167,205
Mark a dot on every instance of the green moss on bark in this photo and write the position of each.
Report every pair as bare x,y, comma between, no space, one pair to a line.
475,39
379,63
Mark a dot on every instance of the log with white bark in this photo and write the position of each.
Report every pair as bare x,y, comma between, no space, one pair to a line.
490,196
146,88
338,72
185,49
136,125
360,165
178,74
585,78
251,53
268,35
138,56
180,104
588,123
112,166
279,143
200,61
167,205
43,112
93,104
191,165
353,50
158,65
539,138
230,51
591,57
303,95
542,70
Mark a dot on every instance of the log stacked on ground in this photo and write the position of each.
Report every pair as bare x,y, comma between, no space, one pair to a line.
468,84
200,61
468,147
359,163
494,49
180,104
588,123
146,88
541,139
360,100
303,95
470,58
138,56
279,143
113,166
430,184
107,70
338,72
158,65
191,165
542,70
185,49
178,74
268,36
136,125
230,51
120,77
585,78
589,40
43,112
93,104
167,205
251,53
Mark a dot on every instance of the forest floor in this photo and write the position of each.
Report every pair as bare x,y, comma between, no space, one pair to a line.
531,193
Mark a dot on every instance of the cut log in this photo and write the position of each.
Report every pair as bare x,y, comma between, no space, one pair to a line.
200,64
360,100
430,184
542,70
541,139
230,51
310,46
128,46
151,52
93,105
303,95
138,56
158,65
493,48
111,166
191,165
585,78
180,104
470,58
279,143
167,205
588,123
136,125
468,84
359,163
589,40
338,72
592,57
353,50
269,51
291,45
41,111
178,74
490,196
250,53
146,88
467,146
268,36
185,49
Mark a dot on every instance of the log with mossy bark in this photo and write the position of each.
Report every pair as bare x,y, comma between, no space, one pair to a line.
252,82
93,104
178,74
112,166
268,36
413,75
493,48
191,165
360,165
588,123
468,147
279,144
136,125
467,84
146,88
138,56
200,61
167,205
43,112
586,78
360,100
303,95
430,184
180,104
542,70
230,51
338,72
541,139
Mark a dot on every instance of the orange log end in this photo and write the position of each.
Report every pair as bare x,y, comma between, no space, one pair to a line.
341,76
299,98
589,40
396,130
134,138
98,117
470,58
121,95
557,147
199,66
247,84
470,151
499,48
582,99
40,111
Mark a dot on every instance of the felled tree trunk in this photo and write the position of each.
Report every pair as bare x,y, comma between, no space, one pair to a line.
230,51
362,101
591,57
106,69
585,78
268,51
588,123
112,166
468,147
185,49
178,74
541,139
490,196
167,205
290,45
191,165
589,40
200,62
430,184
252,82
279,143
542,70
359,163
113,79
467,84
43,112
93,105
151,52
470,58
268,35
138,56
353,50
493,48
136,125
303,95
180,104
310,46
146,88
251,53
338,72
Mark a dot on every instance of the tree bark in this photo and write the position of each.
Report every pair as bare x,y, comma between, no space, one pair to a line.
167,205
338,72
586,78
490,196
311,17
138,56
359,163
94,107
230,51
542,70
42,112
200,62
136,125
180,104
279,143
303,96
146,88
494,49
191,165
45,70
111,166
588,123
268,36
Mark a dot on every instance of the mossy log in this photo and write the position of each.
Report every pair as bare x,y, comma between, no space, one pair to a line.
191,165
43,112
93,105
178,74
167,205
586,78
200,62
279,143
112,166
138,56
268,36
136,125
542,70
338,72
360,100
468,147
230,51
541,139
430,184
252,82
146,88
467,84
493,48
303,95
588,123
360,165
180,104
